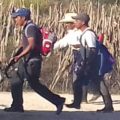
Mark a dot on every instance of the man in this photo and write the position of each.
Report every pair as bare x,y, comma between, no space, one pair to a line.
71,36
89,65
72,39
30,66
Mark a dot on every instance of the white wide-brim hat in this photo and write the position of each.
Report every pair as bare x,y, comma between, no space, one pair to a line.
68,18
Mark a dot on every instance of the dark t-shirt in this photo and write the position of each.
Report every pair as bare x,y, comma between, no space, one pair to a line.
32,30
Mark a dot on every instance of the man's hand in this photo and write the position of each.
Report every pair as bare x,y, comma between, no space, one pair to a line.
11,59
76,46
16,58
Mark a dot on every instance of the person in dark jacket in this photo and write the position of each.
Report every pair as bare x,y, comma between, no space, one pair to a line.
30,65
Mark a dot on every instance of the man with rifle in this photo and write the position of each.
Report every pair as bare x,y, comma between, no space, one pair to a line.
30,66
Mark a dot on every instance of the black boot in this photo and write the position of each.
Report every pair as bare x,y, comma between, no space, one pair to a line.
73,105
14,109
108,104
60,106
105,109
77,92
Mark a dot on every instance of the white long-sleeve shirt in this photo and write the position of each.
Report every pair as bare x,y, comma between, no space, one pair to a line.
71,38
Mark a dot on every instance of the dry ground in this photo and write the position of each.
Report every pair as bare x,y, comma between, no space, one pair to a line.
37,108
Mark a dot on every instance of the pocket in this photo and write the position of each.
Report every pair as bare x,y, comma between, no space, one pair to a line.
33,67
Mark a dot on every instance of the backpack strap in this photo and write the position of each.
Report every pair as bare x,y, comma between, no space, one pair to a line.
85,47
84,33
28,25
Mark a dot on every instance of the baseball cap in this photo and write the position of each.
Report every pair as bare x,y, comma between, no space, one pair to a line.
21,12
83,17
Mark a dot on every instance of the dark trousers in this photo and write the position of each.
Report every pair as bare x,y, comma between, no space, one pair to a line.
103,90
31,71
79,81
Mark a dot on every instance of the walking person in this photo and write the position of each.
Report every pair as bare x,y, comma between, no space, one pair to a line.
30,65
88,67
71,39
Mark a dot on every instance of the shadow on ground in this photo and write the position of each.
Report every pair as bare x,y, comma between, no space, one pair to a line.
65,115
101,102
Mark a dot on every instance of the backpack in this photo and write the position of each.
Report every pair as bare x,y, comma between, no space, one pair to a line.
101,37
104,58
48,39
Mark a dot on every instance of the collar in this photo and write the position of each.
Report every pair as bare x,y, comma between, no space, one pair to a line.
88,28
28,22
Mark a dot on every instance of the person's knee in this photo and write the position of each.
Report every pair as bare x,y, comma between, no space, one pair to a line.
16,86
16,81
77,85
104,89
34,84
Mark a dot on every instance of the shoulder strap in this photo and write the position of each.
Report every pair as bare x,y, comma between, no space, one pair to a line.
26,28
85,51
84,33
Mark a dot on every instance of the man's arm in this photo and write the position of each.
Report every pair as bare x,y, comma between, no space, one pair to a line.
71,38
62,43
31,44
12,61
31,36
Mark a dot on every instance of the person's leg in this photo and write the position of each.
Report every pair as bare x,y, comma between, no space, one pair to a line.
17,91
95,80
106,97
77,92
85,92
95,89
33,72
85,83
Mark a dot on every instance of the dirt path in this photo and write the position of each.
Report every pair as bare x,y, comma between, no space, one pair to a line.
37,108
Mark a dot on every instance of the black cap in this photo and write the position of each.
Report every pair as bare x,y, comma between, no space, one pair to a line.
82,17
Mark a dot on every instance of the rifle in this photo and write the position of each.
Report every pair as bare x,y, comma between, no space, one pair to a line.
12,62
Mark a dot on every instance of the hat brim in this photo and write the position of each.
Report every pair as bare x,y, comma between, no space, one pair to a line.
66,21
76,18
14,15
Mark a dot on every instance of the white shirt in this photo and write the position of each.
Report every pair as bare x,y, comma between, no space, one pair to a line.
89,37
71,38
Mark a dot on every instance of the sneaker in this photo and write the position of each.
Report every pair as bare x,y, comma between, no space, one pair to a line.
105,110
13,109
72,105
60,106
